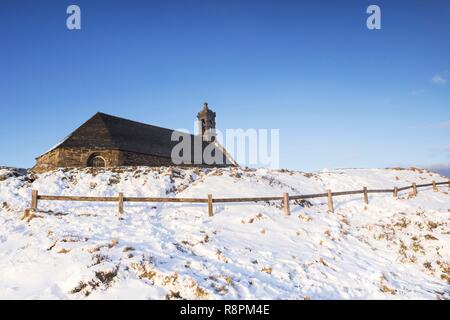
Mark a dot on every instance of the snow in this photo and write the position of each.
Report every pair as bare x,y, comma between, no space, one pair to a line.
389,249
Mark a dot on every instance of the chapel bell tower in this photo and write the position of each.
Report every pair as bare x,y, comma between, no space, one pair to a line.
206,122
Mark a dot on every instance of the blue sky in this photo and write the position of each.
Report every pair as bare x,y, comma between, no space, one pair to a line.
341,95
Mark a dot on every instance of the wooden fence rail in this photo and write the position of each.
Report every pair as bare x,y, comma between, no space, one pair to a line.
285,198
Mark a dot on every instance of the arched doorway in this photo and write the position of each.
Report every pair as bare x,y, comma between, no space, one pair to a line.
96,161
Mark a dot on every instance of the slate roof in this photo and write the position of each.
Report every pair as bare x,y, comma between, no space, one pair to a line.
104,131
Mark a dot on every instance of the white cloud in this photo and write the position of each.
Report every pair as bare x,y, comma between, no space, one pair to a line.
438,79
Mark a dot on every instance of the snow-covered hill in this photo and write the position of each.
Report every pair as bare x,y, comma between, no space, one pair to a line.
389,249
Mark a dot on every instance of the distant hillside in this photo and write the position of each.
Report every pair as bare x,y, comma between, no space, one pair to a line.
442,169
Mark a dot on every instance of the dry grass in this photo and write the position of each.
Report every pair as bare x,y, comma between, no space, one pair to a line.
445,277
344,220
427,265
267,270
107,277
97,248
259,216
170,279
322,261
303,203
6,206
417,247
173,295
445,269
384,287
221,256
402,223
220,290
113,243
304,217
205,239
102,278
79,288
98,258
187,243
430,237
144,270
432,225
200,292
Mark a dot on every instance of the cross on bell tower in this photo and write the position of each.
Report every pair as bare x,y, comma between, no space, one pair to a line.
206,122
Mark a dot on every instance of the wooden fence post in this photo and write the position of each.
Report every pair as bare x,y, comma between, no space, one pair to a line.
330,201
449,184
286,204
435,188
120,198
414,186
396,192
34,199
210,205
366,196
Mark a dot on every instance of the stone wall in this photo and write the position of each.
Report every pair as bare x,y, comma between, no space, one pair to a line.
48,161
139,159
78,158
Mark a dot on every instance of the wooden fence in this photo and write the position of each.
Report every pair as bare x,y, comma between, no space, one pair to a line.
35,196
